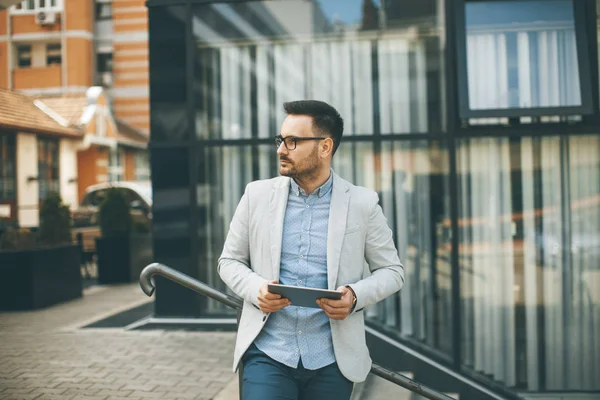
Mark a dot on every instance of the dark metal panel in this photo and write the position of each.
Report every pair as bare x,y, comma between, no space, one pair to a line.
193,157
452,124
590,13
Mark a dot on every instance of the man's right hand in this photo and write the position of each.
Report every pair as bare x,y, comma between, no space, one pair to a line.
270,302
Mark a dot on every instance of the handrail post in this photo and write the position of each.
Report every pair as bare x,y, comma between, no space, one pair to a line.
237,304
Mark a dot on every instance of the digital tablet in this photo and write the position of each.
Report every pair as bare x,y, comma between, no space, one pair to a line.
303,296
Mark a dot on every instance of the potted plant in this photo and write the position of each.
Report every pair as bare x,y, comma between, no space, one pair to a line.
40,268
124,247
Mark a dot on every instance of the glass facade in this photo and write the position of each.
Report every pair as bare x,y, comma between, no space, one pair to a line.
498,226
529,256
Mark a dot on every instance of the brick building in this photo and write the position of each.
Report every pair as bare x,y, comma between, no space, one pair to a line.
84,65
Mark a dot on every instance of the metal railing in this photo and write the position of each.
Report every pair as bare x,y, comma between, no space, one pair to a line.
237,303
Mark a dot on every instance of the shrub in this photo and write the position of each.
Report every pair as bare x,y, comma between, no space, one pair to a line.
55,221
17,239
115,218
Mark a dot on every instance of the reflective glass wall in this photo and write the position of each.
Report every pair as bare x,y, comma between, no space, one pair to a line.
382,69
498,227
529,256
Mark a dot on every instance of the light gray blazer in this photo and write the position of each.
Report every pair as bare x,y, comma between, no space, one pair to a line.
358,232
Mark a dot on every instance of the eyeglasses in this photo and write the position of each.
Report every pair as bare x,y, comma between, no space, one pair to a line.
290,141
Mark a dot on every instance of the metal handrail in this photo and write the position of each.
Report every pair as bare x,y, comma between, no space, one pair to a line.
237,304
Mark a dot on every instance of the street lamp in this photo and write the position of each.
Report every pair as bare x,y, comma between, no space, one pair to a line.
4,4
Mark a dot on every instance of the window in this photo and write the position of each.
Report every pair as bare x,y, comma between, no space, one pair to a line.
48,171
8,176
104,67
104,62
116,165
53,54
33,6
24,56
142,167
523,58
103,11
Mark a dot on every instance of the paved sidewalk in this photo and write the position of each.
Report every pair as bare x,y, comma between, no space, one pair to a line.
45,355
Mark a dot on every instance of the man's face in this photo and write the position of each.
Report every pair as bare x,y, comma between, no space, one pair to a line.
304,160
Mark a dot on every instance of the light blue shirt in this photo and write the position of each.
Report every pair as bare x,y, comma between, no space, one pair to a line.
300,332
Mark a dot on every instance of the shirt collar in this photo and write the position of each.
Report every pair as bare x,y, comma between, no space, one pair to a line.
320,191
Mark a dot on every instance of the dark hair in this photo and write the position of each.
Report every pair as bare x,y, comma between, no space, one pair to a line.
326,120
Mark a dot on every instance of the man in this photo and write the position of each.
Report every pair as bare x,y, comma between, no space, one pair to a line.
307,228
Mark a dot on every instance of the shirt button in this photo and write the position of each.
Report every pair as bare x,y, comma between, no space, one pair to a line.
300,332
297,350
299,280
301,256
307,206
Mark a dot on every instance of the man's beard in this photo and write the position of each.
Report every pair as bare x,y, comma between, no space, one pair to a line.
307,168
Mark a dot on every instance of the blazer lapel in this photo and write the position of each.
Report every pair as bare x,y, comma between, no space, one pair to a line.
277,205
338,212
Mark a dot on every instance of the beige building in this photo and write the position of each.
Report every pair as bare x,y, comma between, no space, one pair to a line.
61,144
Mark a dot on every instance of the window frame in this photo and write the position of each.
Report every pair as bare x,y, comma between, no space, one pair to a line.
141,166
582,41
48,165
48,7
116,165
19,48
98,8
8,166
48,56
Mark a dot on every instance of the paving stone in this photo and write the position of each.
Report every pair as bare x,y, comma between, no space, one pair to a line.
149,395
44,355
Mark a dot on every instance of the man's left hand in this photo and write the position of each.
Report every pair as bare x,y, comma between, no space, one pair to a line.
338,309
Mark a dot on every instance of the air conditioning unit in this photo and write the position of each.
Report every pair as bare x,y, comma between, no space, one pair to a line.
45,17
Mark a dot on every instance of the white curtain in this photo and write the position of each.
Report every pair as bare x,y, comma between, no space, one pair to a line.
402,89
339,72
487,258
554,268
546,62
552,262
584,305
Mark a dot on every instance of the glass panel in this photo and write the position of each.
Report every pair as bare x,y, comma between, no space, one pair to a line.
223,173
583,243
103,11
48,180
24,56
167,42
53,54
529,260
522,54
380,66
411,179
8,189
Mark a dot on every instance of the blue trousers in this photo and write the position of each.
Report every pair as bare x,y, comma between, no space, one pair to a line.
267,379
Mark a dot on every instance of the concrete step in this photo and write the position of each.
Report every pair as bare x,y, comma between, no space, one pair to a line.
376,388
